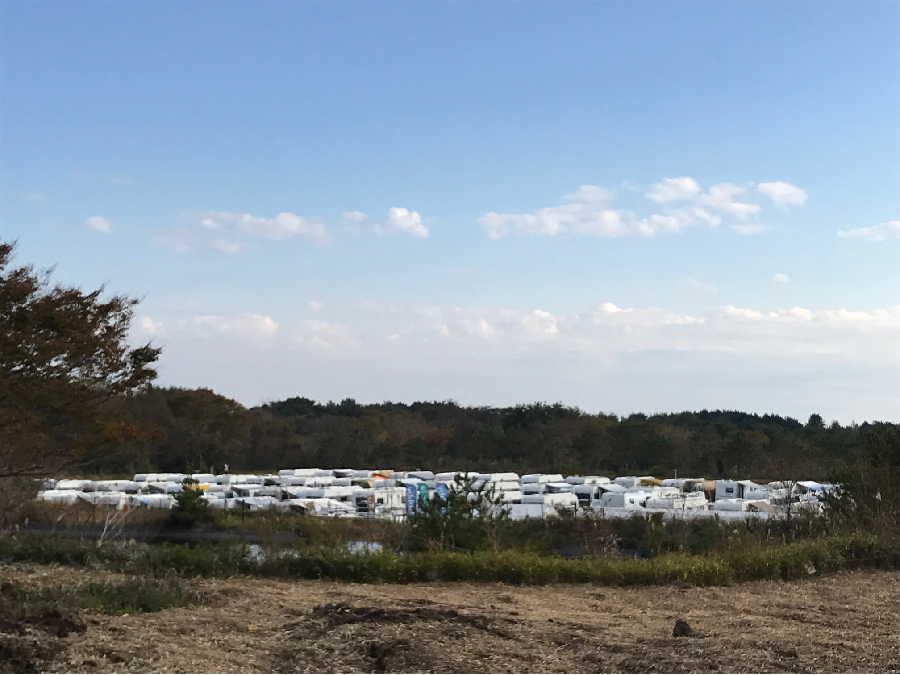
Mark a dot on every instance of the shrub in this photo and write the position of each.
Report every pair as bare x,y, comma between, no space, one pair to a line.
133,595
191,508
466,520
57,551
814,556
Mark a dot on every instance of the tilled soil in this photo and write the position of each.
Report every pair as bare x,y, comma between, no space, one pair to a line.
848,622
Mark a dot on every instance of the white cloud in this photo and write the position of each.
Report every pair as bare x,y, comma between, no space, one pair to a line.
631,320
404,220
585,214
874,233
603,223
610,308
799,333
149,326
675,220
281,227
590,193
353,218
243,325
327,336
731,310
668,223
578,218
674,189
690,282
781,278
761,359
232,233
226,247
722,197
709,218
315,305
480,328
749,229
398,220
99,224
588,211
783,193
610,330
541,322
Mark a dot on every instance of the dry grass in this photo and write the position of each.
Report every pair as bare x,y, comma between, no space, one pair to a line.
846,622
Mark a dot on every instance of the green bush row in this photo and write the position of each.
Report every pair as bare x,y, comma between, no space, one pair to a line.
813,556
777,561
508,567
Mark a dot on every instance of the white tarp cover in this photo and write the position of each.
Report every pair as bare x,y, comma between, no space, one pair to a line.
322,507
521,511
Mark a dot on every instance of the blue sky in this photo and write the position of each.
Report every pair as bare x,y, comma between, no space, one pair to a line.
153,145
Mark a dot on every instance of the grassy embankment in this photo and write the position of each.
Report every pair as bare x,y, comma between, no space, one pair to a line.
737,563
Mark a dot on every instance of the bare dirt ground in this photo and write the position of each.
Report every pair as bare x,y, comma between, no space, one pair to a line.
847,622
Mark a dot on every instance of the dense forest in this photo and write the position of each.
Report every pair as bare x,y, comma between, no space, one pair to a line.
193,430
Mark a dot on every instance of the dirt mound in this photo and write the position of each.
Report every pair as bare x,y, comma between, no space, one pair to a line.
29,642
414,636
51,620
30,639
340,613
18,655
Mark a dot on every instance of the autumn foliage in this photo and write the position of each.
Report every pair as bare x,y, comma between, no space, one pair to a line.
64,354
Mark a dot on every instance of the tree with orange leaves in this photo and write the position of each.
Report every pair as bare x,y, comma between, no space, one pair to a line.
64,354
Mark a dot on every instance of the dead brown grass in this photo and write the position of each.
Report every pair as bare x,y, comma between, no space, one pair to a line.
847,622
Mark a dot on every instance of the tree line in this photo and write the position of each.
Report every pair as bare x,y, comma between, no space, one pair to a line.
173,429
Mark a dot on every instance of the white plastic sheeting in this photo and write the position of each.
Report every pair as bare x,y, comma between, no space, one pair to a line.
322,489
542,478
